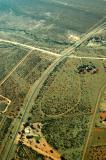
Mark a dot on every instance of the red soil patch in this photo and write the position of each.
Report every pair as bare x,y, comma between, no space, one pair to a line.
97,129
103,115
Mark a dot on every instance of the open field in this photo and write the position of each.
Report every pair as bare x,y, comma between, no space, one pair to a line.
66,123
79,117
33,66
10,55
56,97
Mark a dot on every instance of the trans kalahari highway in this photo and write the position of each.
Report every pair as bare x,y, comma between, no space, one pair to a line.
10,147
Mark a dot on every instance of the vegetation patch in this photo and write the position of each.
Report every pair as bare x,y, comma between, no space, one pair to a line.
57,95
33,66
10,55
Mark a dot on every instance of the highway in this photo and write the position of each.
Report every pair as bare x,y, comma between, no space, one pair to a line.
34,91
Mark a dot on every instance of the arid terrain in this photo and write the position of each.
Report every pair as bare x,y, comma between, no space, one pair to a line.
52,80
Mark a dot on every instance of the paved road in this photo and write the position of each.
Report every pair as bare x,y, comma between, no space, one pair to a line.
36,88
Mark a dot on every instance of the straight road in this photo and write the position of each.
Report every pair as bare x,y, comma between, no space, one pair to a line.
29,47
91,58
22,60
